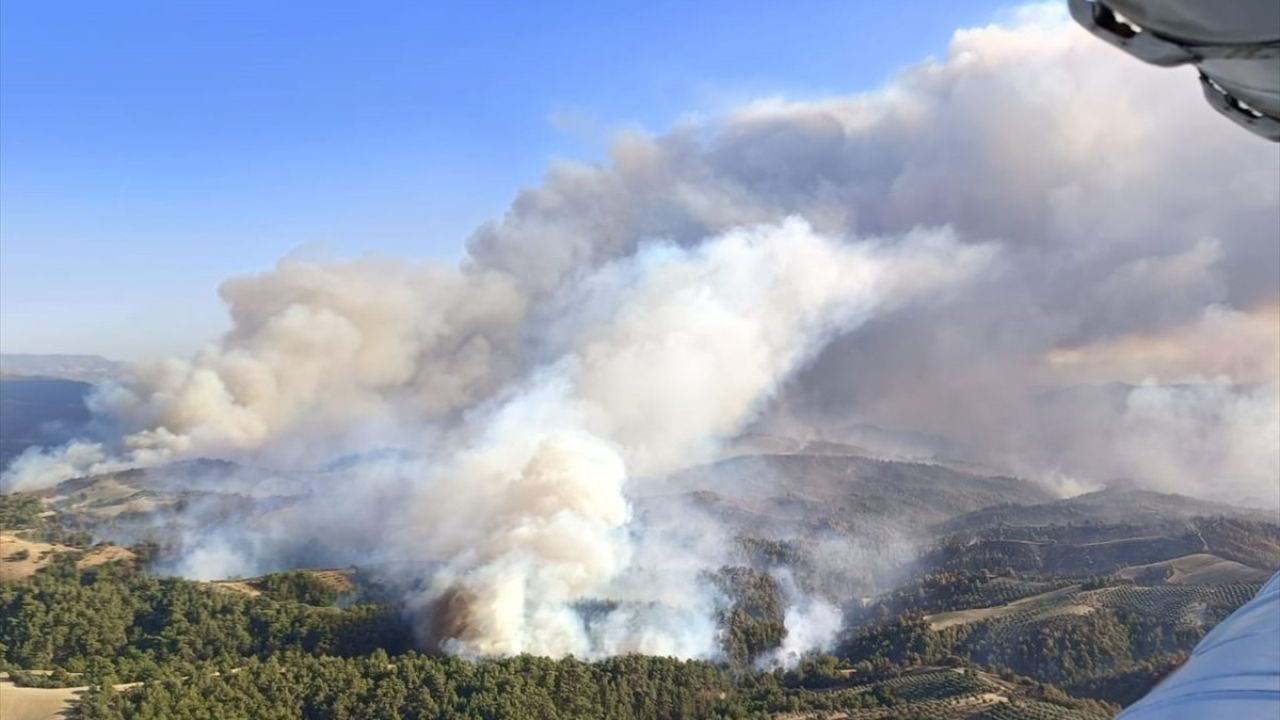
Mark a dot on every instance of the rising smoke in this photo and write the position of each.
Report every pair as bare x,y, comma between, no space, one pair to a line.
1051,256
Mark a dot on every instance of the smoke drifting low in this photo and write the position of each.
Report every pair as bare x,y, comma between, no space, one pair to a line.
978,252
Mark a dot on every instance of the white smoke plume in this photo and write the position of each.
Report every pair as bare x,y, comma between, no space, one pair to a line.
658,358
812,625
1093,222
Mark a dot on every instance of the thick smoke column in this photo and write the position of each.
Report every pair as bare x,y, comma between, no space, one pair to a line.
658,358
1119,244
639,368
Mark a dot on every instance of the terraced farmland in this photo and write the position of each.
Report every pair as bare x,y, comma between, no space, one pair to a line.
954,694
988,706
1172,601
1194,569
938,685
1006,590
1035,607
1033,710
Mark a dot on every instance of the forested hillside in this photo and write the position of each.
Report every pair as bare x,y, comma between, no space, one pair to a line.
1001,620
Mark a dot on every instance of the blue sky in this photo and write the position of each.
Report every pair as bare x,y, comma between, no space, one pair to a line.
149,150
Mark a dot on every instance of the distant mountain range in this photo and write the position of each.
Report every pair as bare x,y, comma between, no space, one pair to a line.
42,398
39,411
82,368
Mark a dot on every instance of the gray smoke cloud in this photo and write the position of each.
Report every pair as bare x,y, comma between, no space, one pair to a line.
1056,259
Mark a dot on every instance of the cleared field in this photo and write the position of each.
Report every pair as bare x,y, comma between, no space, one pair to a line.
15,566
236,586
103,490
105,554
1196,569
340,580
1044,605
20,703
24,703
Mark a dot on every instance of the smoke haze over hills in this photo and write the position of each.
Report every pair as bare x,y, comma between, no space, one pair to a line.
973,252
